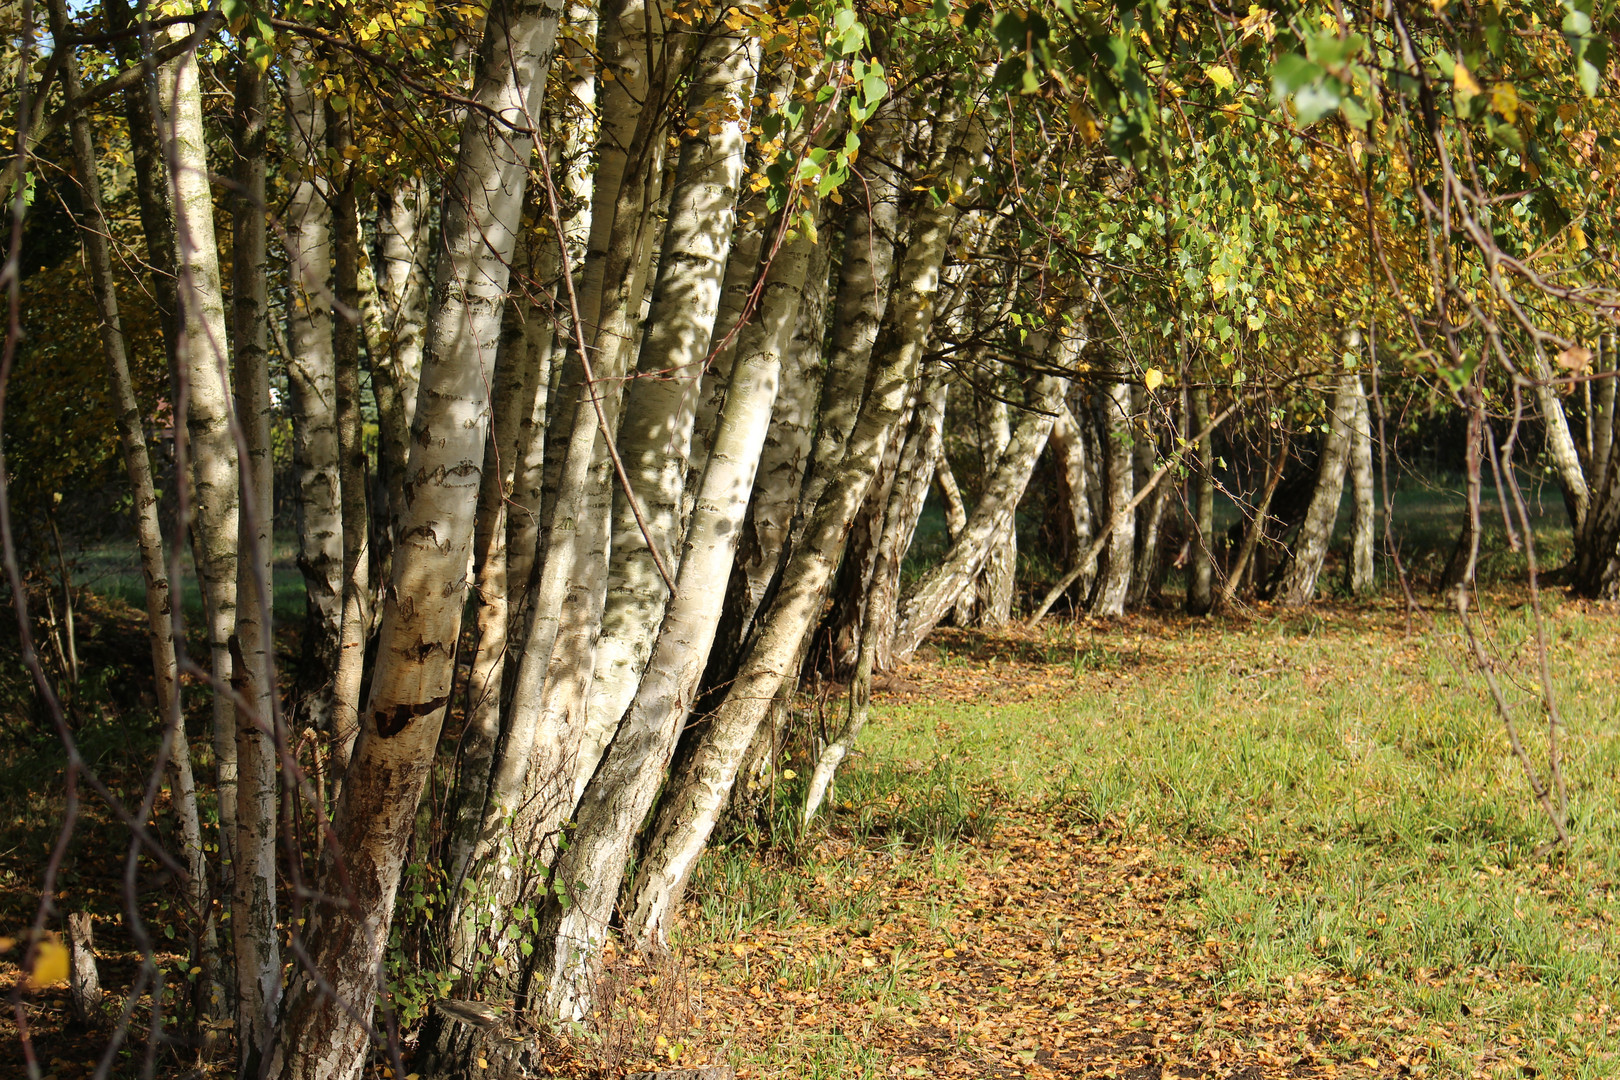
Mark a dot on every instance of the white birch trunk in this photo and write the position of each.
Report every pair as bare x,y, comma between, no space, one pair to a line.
312,382
620,793
1201,558
149,540
324,1030
356,621
936,592
694,798
253,907
201,368
871,231
656,434
1316,533
1068,443
1364,524
1108,597
786,454
400,321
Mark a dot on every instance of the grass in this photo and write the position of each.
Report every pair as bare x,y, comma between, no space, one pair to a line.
113,570
1348,826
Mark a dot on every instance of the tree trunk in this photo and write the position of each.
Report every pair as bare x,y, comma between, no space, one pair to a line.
205,388
621,792
312,383
1068,444
325,1028
656,435
401,296
1566,459
695,796
1256,529
355,624
782,462
913,476
1365,522
871,231
1201,563
253,907
998,578
1114,581
1298,586
931,597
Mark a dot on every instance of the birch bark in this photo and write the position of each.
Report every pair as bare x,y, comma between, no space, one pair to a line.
1068,443
312,386
1364,523
253,908
1298,585
324,1032
1114,582
694,797
936,592
1201,563
655,437
621,791
355,622
205,387
149,538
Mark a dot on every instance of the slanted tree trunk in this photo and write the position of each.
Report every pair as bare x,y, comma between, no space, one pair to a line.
1364,524
694,797
1114,579
325,1028
1298,585
1597,544
201,345
1145,576
1560,444
871,230
783,460
534,762
621,791
912,478
1255,530
1201,562
927,602
312,383
399,290
656,435
521,374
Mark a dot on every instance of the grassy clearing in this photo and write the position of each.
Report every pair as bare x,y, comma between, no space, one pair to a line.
1332,829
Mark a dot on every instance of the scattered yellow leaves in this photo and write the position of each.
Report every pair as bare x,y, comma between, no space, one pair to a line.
50,964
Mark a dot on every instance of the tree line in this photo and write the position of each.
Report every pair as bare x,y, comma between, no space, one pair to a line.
608,355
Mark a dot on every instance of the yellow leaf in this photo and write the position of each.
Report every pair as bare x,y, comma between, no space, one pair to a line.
788,774
1505,100
50,965
1220,75
1153,379
1464,80
949,954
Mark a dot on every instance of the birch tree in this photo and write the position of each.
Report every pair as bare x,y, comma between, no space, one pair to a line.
325,1029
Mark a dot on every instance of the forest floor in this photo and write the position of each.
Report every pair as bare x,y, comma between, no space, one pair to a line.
1288,845
1282,844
